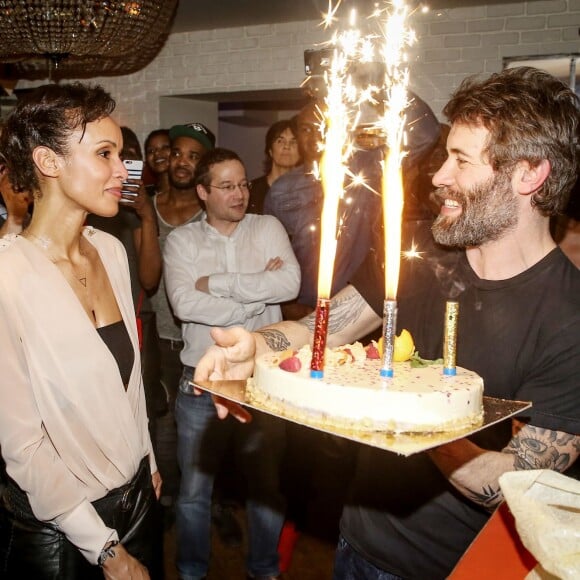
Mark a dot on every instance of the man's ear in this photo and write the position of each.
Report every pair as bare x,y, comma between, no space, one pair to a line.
46,160
201,192
530,178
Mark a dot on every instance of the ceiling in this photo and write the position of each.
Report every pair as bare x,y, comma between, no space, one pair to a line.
197,15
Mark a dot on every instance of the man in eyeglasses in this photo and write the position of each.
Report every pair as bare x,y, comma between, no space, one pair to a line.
230,268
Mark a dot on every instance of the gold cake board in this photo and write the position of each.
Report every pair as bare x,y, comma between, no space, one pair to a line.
495,410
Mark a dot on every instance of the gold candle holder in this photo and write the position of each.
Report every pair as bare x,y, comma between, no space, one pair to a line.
450,338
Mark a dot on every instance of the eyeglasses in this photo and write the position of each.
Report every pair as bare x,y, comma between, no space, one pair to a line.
231,187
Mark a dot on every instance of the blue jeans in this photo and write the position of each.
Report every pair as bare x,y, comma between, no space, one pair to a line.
350,565
202,439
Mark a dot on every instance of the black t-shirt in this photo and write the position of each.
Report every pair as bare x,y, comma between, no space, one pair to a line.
522,335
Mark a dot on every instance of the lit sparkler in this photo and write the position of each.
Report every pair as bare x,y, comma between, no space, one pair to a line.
342,113
336,125
396,37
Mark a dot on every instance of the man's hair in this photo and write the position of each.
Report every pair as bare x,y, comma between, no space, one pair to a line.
47,117
273,133
531,116
202,175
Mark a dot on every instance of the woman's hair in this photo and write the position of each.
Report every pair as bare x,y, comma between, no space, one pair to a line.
131,145
47,117
154,134
202,175
273,133
530,116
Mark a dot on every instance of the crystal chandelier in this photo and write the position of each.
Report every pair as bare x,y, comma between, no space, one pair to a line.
81,38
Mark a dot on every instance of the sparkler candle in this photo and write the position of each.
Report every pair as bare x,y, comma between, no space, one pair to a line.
319,344
396,37
450,338
332,171
389,330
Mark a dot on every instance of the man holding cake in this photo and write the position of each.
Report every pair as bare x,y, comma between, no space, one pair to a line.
512,160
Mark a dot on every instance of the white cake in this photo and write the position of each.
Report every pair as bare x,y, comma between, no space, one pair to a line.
352,394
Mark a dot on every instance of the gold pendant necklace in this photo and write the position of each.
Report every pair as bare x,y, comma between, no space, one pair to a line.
45,243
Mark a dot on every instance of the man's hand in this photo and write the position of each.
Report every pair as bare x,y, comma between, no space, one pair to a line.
232,357
124,567
274,264
202,284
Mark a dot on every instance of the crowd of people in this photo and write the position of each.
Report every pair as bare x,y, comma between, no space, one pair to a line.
110,304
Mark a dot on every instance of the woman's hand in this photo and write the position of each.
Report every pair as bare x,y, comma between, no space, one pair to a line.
123,566
157,483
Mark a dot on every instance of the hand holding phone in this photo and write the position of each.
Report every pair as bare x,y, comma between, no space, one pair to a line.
130,187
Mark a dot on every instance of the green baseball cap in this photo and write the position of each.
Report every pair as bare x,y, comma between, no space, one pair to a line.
196,131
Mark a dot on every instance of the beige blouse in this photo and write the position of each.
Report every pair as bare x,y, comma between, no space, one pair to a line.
69,432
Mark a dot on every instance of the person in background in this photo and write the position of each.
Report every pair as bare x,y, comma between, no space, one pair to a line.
512,159
157,152
16,206
281,155
229,268
177,206
296,199
82,477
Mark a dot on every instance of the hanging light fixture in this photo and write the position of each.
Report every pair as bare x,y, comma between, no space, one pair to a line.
81,38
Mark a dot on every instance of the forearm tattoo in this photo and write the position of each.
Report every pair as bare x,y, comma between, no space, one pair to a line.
275,339
536,448
489,497
532,448
345,309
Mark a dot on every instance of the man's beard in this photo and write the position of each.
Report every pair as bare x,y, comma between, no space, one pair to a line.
181,184
488,210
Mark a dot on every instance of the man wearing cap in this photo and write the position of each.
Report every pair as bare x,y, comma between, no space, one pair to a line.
176,207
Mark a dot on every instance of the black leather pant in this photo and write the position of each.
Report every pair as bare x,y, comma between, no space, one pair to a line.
30,548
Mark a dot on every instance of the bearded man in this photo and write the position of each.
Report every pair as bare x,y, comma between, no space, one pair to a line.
512,161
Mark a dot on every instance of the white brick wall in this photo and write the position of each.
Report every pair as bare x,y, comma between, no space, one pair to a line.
451,44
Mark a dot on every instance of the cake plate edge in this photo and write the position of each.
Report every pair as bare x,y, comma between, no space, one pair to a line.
495,411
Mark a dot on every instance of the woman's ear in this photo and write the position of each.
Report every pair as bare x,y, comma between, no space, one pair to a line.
46,160
531,178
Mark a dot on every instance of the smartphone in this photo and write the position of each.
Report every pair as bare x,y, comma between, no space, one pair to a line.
134,169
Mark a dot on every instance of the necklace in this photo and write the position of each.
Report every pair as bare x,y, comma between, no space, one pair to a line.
45,242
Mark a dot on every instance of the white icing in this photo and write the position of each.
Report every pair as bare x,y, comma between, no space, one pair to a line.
352,393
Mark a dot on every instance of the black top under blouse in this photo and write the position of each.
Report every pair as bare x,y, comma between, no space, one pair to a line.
116,337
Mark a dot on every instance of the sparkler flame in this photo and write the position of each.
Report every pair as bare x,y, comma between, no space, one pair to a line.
396,38
340,117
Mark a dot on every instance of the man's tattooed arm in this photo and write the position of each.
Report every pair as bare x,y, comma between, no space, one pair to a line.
275,339
475,472
350,318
